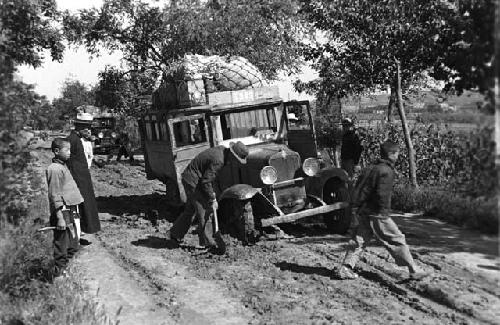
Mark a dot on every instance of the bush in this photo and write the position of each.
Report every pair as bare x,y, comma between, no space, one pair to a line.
447,159
475,213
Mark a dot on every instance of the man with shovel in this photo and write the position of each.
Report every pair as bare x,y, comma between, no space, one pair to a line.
197,179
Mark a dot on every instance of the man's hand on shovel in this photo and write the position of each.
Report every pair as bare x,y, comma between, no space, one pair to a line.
220,248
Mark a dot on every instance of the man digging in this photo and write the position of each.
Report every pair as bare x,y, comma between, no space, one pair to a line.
197,180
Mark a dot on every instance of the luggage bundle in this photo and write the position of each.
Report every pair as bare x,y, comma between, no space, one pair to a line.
189,82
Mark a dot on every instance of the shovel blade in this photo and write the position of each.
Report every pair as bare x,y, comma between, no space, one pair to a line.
220,244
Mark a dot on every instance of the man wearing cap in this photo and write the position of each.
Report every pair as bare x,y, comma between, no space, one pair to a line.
79,169
351,147
197,179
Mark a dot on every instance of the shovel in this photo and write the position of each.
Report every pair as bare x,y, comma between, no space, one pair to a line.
220,244
45,229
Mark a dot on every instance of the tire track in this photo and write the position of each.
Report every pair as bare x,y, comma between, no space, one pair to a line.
191,300
440,291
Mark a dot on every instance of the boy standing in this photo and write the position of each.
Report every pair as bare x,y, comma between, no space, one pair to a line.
64,198
373,202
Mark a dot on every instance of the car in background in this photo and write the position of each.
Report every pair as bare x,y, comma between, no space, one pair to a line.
104,134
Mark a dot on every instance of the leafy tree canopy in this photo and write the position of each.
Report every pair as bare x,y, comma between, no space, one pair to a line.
73,94
364,38
125,92
265,32
27,28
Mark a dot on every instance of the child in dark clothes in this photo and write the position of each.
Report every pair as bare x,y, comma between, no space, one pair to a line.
373,204
64,198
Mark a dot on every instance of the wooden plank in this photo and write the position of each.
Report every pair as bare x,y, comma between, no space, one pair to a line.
302,214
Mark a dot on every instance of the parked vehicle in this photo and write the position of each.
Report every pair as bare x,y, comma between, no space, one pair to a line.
104,134
283,180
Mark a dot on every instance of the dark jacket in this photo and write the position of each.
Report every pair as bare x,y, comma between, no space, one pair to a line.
79,169
351,147
374,188
202,170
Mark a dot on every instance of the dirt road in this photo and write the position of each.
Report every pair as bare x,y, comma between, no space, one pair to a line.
140,280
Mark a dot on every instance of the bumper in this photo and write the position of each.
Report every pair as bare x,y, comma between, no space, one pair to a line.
305,213
104,149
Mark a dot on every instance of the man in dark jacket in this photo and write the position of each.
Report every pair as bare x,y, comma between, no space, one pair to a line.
197,179
372,199
78,167
351,147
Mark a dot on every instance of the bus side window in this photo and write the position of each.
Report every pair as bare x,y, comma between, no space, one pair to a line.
189,132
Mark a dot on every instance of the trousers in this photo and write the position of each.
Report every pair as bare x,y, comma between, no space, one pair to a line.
197,208
384,230
65,247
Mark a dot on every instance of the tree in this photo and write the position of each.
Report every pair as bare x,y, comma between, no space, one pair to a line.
73,94
124,92
375,43
27,29
266,32
469,62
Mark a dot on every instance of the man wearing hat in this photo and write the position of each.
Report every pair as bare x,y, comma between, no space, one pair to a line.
351,147
197,179
79,169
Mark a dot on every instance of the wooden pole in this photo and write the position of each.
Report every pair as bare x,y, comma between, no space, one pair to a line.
406,131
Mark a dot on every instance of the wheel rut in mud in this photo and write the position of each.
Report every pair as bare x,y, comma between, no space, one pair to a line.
287,281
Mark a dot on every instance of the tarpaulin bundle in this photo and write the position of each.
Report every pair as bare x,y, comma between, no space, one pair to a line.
220,73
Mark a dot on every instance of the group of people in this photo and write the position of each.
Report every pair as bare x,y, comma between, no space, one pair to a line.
73,207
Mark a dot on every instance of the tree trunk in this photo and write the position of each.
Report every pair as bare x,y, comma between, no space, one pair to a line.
390,106
338,122
406,131
497,96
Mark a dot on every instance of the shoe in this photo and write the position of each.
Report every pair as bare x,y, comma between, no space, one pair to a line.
345,273
172,242
84,242
420,275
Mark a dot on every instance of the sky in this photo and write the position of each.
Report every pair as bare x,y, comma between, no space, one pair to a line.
78,65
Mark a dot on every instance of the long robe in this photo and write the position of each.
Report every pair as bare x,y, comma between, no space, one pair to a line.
77,164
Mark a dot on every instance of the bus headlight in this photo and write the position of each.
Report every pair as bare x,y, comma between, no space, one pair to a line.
268,175
100,135
311,166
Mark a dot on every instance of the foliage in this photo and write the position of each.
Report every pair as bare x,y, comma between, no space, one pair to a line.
27,28
469,62
365,37
153,37
74,93
123,92
455,161
452,40
27,293
457,117
475,213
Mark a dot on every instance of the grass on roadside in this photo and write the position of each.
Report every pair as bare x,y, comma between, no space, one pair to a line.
28,292
473,213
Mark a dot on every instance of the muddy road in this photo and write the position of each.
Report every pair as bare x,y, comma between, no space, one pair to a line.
140,280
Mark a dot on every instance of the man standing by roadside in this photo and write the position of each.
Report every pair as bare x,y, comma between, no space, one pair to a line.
87,146
351,148
197,180
78,167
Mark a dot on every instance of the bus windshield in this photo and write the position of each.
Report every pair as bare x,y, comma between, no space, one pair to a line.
250,126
